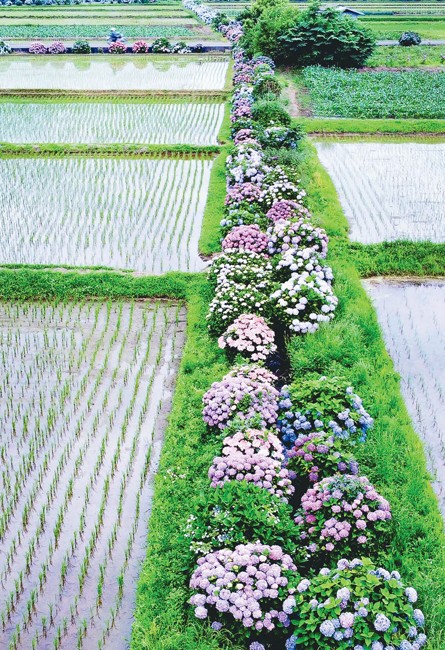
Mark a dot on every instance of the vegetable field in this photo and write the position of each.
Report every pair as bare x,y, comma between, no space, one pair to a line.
95,31
84,394
346,93
389,191
105,122
99,73
84,212
412,316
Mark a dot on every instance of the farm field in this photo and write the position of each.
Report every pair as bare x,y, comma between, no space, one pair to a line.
416,345
85,392
391,28
102,122
99,73
350,93
82,212
398,193
98,30
407,57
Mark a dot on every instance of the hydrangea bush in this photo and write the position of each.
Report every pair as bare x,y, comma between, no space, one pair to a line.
244,193
118,47
242,217
287,209
140,47
57,47
286,235
237,513
354,606
342,515
250,336
37,47
318,403
304,301
318,454
244,392
255,456
246,238
244,588
278,187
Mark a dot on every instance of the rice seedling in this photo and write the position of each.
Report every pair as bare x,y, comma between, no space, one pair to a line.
411,316
398,193
84,212
108,73
65,573
105,123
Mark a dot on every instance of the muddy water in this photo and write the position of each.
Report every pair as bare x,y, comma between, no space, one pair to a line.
389,190
119,363
412,316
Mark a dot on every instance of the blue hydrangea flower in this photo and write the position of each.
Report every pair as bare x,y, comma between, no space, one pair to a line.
327,628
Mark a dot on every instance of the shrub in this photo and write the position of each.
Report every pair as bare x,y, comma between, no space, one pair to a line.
342,515
57,47
266,86
161,45
246,165
288,235
285,210
280,136
4,48
242,217
354,606
316,455
326,38
263,37
254,456
117,47
244,193
81,47
246,238
238,513
140,47
318,403
279,187
243,393
304,301
250,336
270,113
233,587
37,47
410,38
181,48
244,284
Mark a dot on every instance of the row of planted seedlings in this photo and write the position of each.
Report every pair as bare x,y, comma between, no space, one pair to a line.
287,537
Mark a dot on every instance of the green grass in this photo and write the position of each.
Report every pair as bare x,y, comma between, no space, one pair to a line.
349,93
393,457
409,57
209,241
391,28
348,126
181,151
399,258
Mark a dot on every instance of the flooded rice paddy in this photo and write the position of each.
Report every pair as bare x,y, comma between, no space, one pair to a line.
141,214
106,122
412,317
96,73
389,190
83,401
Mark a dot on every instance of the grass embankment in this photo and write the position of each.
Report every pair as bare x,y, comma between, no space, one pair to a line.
155,151
355,126
393,457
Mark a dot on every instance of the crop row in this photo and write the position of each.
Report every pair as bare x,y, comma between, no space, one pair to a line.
83,212
93,31
105,123
75,512
346,93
